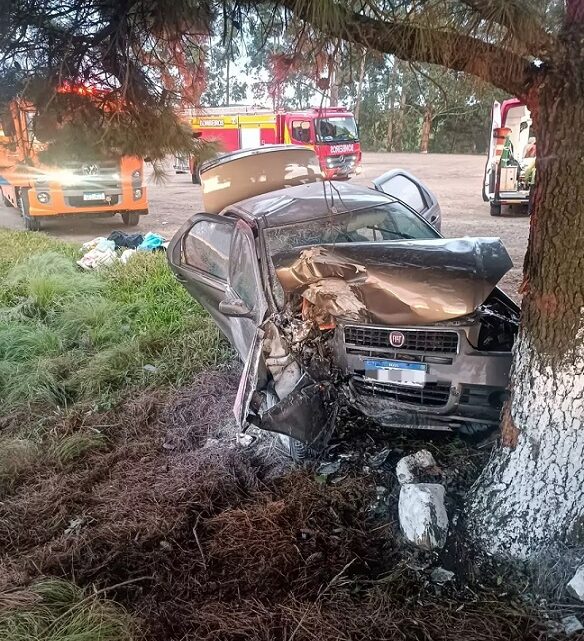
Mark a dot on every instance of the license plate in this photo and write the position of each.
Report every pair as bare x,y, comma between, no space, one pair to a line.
94,195
400,372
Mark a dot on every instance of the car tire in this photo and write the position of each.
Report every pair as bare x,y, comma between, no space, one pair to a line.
495,209
131,218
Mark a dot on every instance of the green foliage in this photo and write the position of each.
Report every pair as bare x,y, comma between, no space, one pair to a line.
74,446
57,610
68,336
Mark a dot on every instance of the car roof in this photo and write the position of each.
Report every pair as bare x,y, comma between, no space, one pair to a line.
306,202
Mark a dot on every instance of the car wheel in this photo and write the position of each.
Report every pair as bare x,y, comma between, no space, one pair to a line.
31,223
297,450
131,218
495,209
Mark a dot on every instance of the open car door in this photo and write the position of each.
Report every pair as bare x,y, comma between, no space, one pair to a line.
490,167
404,186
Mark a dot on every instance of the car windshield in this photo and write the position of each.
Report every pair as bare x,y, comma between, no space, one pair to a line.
336,129
389,222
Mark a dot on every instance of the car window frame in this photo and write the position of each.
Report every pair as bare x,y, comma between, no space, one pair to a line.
195,271
424,196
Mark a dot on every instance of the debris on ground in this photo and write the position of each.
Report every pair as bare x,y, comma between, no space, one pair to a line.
123,240
410,468
441,576
101,252
422,514
576,584
197,537
151,242
572,625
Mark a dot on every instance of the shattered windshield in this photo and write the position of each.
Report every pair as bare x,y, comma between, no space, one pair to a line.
378,224
337,129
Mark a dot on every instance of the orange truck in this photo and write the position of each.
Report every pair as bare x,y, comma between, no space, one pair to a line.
39,191
331,131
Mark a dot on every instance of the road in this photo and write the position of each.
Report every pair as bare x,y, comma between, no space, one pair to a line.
455,179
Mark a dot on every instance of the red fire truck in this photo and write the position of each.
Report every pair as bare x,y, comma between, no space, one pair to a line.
330,131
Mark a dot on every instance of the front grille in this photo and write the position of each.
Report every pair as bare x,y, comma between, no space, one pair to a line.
94,176
340,161
430,395
423,340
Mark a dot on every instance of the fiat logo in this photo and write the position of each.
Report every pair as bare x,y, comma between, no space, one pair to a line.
396,339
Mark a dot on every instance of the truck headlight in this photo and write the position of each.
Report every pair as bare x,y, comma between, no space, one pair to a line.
136,174
43,197
137,194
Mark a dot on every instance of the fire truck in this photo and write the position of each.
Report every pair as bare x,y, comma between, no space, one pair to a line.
40,191
331,131
509,171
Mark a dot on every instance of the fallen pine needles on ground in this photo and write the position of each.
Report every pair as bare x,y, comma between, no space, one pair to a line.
197,539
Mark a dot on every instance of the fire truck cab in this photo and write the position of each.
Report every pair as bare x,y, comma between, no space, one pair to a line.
511,156
331,131
96,186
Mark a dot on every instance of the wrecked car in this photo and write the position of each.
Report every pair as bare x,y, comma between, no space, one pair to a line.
336,294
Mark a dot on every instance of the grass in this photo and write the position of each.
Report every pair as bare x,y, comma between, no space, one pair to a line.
57,610
69,337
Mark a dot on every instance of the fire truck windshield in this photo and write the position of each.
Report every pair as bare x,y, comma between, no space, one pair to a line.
336,129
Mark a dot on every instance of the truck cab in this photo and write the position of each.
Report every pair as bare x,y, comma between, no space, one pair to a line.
511,156
332,132
40,191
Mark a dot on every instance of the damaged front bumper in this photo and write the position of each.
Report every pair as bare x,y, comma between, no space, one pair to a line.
461,384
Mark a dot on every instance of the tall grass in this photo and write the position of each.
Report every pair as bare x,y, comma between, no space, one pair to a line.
68,336
57,610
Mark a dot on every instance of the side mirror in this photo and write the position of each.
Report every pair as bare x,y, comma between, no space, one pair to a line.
234,307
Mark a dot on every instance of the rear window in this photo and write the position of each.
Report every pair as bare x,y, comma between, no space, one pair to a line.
378,224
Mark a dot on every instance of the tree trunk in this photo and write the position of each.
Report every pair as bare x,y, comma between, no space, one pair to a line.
531,494
399,122
360,85
426,129
390,105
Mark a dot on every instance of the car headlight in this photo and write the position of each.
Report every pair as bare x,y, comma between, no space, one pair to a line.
43,197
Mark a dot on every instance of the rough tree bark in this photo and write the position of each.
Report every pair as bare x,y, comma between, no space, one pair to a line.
531,495
426,129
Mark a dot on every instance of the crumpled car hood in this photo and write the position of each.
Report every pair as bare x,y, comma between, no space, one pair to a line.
409,282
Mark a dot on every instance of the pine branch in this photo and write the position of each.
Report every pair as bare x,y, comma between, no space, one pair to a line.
519,20
494,64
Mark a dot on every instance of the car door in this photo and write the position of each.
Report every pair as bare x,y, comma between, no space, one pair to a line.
405,187
490,167
199,255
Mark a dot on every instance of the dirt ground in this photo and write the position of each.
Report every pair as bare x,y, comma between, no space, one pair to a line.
456,180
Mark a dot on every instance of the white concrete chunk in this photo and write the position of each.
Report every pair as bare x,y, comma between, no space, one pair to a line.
409,467
576,584
422,514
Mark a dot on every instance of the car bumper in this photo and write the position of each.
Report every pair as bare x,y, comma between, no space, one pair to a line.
466,386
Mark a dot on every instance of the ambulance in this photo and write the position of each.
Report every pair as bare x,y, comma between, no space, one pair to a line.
509,171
